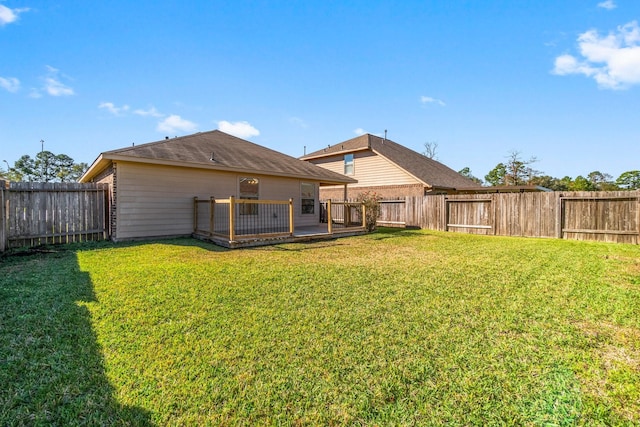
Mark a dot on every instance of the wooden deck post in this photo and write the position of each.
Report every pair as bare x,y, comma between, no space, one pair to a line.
232,210
346,208
212,207
329,219
291,226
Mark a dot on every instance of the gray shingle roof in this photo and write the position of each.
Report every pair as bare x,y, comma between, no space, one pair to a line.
429,171
228,153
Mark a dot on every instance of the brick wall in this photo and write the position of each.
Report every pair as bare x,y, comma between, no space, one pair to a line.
387,192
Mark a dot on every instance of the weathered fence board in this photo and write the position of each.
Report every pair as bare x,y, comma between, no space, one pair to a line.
392,213
469,215
3,216
609,217
49,213
603,216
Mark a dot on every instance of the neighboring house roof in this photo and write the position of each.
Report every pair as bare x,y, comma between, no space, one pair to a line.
218,151
430,172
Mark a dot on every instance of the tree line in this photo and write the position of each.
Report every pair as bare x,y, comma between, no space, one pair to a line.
44,167
518,171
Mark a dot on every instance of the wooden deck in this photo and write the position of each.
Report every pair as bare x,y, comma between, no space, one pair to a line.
300,234
239,223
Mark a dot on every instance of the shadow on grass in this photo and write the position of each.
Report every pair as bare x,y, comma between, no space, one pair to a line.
177,241
52,370
382,233
300,247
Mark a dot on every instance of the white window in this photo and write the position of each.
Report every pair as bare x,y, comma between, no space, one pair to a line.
348,164
308,197
249,189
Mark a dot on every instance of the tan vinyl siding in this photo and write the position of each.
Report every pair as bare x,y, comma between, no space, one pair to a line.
156,200
370,170
333,163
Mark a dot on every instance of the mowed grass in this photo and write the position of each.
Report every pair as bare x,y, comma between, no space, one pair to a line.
398,327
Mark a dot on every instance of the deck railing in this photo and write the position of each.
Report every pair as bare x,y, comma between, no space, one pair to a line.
235,218
243,218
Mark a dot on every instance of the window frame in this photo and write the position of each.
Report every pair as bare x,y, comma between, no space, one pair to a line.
349,164
252,208
305,199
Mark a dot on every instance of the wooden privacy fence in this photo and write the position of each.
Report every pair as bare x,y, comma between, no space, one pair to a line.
612,216
34,214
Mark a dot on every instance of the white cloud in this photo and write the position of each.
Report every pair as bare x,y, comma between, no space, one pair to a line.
613,61
298,121
8,16
175,123
52,84
10,84
35,93
430,100
239,129
55,87
110,107
608,4
151,112
359,131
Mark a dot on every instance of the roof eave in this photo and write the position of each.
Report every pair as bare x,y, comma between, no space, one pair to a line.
105,158
317,155
98,165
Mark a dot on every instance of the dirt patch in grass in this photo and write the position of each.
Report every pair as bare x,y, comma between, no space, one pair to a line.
614,371
628,271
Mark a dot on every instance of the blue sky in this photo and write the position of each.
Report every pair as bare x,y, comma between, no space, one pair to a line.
556,80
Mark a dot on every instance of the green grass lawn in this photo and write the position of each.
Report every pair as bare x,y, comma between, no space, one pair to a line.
393,328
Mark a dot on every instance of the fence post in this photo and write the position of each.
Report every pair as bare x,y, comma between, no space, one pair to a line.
559,215
291,226
212,207
445,214
329,219
3,218
494,209
232,210
638,216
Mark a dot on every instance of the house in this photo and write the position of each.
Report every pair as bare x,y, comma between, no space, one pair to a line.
386,167
153,185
